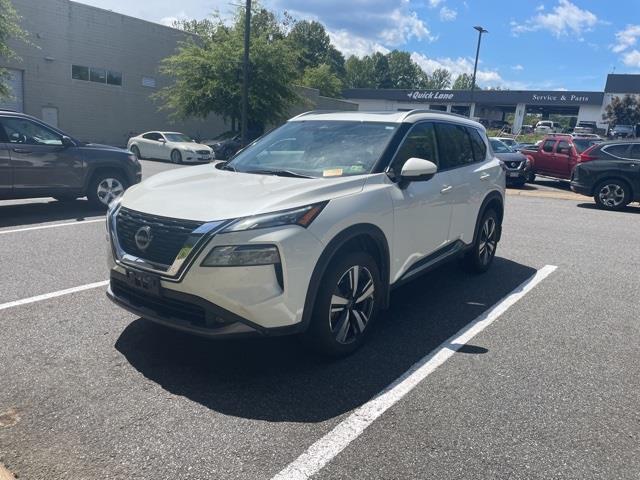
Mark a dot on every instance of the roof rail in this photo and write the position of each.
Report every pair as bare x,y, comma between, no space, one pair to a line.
313,112
9,110
429,110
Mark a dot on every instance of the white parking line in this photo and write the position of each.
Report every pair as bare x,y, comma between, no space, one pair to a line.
329,446
47,296
56,225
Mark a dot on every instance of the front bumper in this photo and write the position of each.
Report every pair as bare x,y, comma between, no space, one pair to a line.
265,299
580,188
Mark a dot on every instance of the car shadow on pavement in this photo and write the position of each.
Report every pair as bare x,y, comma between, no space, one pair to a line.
23,214
632,208
278,379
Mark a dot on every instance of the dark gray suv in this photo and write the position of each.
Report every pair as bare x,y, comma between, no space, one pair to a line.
38,160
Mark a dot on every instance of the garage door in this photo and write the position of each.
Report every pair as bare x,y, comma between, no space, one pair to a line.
16,102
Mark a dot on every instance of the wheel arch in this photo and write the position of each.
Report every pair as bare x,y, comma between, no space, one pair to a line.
493,200
360,237
608,177
99,169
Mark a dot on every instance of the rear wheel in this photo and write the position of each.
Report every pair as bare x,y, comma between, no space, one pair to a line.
105,187
136,151
176,156
612,194
347,303
480,257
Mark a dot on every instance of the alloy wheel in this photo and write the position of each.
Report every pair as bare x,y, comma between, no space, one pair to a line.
488,241
611,195
352,304
109,189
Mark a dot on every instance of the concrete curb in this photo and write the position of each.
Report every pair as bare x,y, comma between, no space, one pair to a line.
548,194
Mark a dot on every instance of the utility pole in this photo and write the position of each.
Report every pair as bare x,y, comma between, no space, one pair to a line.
475,66
245,75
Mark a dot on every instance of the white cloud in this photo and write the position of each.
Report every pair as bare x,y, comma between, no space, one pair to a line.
172,19
626,38
632,58
349,44
458,66
517,68
448,14
540,8
564,19
434,3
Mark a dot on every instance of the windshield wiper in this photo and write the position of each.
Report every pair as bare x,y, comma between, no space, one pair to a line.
280,173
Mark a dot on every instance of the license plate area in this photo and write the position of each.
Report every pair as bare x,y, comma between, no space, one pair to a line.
143,282
513,174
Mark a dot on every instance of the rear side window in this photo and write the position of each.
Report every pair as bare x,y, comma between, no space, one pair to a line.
420,142
564,147
548,146
151,136
454,145
477,145
619,150
635,151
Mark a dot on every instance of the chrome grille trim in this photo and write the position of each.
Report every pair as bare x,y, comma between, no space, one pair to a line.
194,244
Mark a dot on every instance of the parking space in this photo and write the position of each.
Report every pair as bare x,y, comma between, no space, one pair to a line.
548,390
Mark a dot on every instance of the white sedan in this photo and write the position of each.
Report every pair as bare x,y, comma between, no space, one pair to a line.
173,146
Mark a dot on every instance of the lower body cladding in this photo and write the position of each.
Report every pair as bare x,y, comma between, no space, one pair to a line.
226,300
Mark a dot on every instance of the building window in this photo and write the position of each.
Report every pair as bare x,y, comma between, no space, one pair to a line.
149,82
114,78
79,72
97,75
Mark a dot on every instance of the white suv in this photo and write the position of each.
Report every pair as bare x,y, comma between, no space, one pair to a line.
309,228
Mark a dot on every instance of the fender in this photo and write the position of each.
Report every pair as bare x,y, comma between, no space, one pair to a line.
493,196
328,254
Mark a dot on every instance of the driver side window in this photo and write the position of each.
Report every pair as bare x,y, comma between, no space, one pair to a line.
420,142
25,132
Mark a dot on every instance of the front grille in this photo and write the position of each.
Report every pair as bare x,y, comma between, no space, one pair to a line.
168,235
161,306
202,152
513,165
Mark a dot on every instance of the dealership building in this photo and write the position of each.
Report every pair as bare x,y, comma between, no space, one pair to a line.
498,104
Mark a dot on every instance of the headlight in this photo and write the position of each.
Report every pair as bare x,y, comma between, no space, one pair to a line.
302,216
242,256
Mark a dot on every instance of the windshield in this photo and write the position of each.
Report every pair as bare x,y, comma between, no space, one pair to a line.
499,147
318,148
177,137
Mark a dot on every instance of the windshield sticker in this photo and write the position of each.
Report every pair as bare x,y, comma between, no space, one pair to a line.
335,172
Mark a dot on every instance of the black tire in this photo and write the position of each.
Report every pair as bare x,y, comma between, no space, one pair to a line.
480,256
136,151
99,184
531,177
325,333
613,194
176,156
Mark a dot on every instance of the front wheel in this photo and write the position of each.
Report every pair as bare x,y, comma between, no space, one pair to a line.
612,194
176,156
480,257
347,303
105,187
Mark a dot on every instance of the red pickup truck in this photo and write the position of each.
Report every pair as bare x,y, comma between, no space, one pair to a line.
557,155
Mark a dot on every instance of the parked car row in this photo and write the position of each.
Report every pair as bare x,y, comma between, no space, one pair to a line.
174,146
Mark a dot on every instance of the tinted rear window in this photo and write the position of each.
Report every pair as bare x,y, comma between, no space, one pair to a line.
454,146
617,150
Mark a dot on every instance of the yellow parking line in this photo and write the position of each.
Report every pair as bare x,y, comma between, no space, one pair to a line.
547,194
6,474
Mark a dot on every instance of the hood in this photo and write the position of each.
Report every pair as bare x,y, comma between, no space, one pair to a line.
511,157
205,193
188,145
98,146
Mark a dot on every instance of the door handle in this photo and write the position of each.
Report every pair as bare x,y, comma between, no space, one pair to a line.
446,189
21,150
485,176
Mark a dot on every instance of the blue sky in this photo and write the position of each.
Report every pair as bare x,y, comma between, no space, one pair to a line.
531,44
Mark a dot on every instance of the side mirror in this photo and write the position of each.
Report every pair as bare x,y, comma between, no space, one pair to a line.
67,142
417,170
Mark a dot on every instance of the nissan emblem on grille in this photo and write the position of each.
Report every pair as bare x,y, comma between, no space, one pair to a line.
143,237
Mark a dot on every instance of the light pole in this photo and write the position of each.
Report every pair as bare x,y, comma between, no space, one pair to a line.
245,74
475,66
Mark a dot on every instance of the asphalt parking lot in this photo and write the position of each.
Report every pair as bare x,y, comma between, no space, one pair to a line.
550,389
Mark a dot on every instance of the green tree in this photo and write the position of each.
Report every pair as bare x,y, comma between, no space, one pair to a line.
440,79
314,47
463,82
381,72
623,111
207,72
359,72
403,71
9,29
323,78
